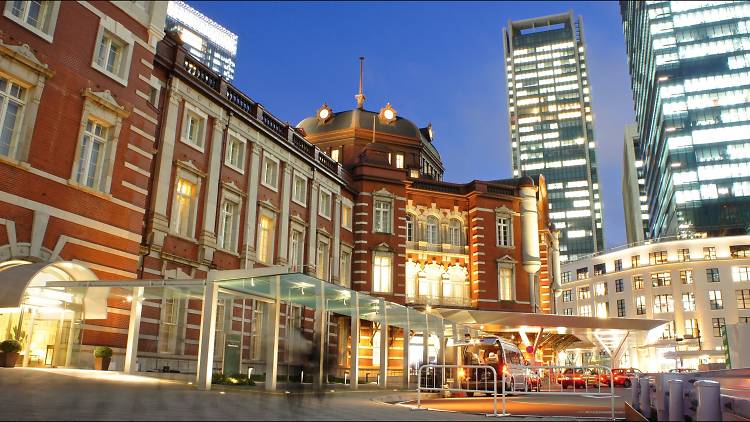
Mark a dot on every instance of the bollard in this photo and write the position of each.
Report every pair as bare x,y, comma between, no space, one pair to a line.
635,389
709,400
645,397
676,401
661,398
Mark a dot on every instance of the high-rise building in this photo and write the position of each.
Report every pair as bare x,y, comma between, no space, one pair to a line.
633,187
690,71
212,44
551,124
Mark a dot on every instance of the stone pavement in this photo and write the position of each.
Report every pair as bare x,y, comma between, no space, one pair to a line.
62,394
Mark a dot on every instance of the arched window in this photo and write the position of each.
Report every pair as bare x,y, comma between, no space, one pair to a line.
454,232
409,228
432,230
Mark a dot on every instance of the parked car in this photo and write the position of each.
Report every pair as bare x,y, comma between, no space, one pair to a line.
503,356
571,377
682,370
622,376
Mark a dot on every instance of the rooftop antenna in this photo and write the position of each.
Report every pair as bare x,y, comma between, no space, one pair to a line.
361,96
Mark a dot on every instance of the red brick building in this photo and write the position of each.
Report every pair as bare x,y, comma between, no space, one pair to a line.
135,160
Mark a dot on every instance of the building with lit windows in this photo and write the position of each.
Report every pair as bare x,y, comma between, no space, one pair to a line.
634,199
551,124
212,44
689,64
701,285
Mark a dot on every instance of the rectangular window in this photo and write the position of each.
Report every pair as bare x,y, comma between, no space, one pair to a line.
93,156
503,231
709,252
346,217
740,251
228,225
668,331
663,304
322,264
568,311
170,307
741,273
602,310
335,154
620,308
661,279
640,305
619,285
656,258
506,284
712,275
382,215
409,228
35,15
686,276
691,328
567,295
743,298
256,331
270,172
193,127
296,251
299,189
186,199
582,273
718,325
688,301
584,293
345,268
618,264
565,277
12,98
635,261
600,269
714,298
601,288
235,154
325,203
584,310
637,282
399,161
265,239
683,255
381,274
743,320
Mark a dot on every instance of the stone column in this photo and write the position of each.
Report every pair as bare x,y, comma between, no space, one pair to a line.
312,237
286,198
336,248
207,237
252,206
163,172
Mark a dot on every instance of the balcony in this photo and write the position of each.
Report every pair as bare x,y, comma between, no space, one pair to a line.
439,249
438,300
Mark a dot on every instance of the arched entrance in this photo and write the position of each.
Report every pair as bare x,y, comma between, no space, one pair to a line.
45,320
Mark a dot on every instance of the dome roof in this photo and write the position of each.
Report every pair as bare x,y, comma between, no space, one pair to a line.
359,119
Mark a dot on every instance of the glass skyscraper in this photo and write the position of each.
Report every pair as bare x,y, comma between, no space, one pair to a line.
690,72
551,124
212,44
634,199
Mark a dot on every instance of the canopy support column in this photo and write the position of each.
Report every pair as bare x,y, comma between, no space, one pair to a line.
407,340
207,335
134,329
321,326
383,345
272,342
354,376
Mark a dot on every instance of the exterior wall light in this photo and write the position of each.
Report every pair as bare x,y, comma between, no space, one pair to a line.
387,114
324,113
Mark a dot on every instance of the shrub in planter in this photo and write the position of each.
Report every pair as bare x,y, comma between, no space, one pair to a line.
9,351
102,358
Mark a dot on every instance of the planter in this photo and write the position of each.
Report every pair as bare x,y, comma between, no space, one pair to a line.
8,359
102,364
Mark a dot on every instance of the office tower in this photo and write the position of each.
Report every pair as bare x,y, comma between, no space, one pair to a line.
551,124
212,44
690,73
633,187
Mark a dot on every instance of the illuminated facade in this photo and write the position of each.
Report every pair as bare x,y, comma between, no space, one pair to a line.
206,40
702,285
551,124
633,187
689,64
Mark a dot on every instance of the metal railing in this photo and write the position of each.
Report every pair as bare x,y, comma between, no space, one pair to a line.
449,378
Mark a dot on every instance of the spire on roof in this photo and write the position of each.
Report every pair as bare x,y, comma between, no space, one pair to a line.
361,96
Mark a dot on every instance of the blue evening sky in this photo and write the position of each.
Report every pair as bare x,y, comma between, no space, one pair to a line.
439,62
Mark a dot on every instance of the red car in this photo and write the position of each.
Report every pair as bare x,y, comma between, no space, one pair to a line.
622,376
572,377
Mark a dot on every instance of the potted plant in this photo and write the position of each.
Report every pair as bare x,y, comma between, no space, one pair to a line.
102,358
10,350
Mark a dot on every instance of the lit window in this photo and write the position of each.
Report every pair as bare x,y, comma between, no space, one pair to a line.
92,156
381,274
270,172
663,304
584,293
299,189
228,225
432,230
640,305
504,234
324,207
12,98
505,283
346,217
743,298
714,298
661,279
601,289
602,310
265,239
335,154
382,214
584,310
688,301
741,273
683,255
37,16
235,155
184,208
686,276
399,161
709,252
637,282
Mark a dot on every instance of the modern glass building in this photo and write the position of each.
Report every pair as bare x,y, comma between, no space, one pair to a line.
551,124
634,198
690,70
209,42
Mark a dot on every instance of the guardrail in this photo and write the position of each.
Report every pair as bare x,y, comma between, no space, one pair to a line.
448,378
